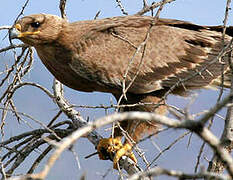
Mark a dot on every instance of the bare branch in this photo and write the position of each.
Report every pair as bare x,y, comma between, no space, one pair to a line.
203,132
62,7
5,27
22,10
119,4
216,164
168,147
79,122
74,115
226,18
12,47
153,6
157,171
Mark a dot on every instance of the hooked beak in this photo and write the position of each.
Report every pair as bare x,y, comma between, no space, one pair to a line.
15,32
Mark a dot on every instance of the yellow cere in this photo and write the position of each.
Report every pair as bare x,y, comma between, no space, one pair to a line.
18,27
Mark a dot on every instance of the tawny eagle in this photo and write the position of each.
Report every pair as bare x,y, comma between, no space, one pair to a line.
140,54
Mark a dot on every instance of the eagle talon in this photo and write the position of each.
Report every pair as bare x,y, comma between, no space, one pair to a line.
108,146
126,150
112,147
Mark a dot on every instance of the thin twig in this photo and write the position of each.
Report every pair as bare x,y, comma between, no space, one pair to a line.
157,171
153,6
62,7
12,46
168,147
194,126
5,27
119,4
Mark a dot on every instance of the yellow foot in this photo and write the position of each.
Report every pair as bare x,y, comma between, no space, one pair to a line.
108,146
112,147
126,150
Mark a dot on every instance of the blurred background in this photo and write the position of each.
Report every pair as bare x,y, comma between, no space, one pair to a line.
35,103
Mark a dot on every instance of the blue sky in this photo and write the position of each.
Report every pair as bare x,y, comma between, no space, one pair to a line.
37,104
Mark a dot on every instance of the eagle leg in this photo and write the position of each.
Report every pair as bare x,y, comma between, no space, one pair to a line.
112,147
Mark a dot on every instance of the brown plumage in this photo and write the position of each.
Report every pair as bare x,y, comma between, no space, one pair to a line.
95,55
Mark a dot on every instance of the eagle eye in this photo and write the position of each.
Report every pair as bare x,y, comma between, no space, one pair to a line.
35,24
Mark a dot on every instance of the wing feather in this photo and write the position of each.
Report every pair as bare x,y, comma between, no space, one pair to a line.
174,50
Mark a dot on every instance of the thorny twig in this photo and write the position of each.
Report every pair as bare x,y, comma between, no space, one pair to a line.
22,10
195,126
168,147
222,83
119,4
157,171
126,88
153,6
216,164
5,27
143,46
13,46
62,7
